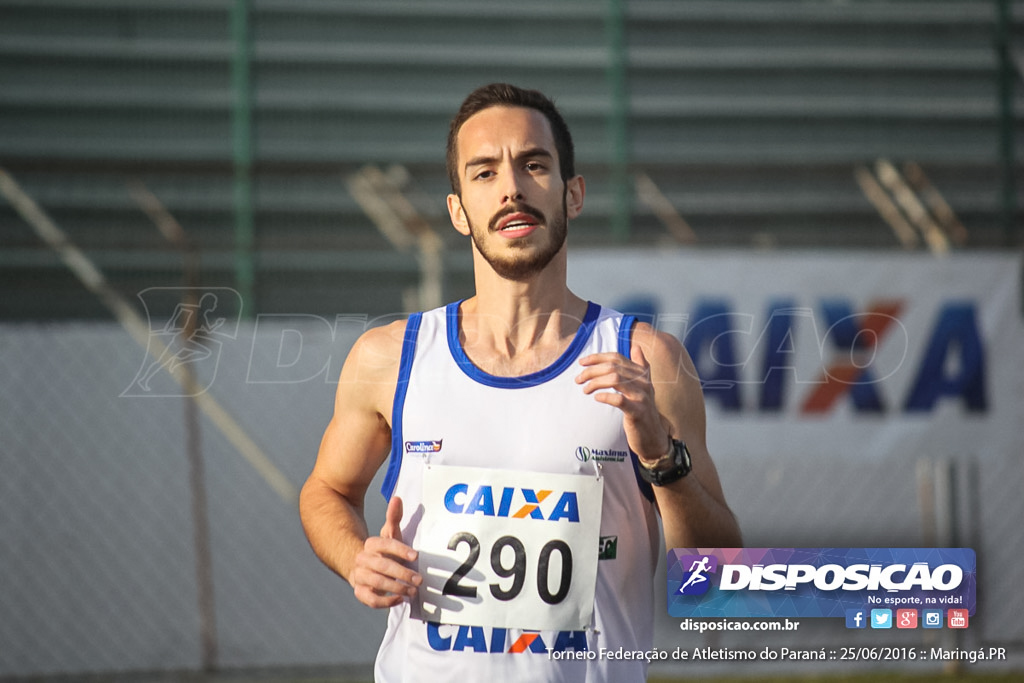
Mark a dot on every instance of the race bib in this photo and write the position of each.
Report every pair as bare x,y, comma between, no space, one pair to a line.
508,549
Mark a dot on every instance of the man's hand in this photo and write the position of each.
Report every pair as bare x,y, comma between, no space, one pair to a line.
647,430
380,576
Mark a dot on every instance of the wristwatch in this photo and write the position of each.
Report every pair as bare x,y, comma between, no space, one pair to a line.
670,467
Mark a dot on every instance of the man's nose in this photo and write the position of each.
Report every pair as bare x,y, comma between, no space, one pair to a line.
512,190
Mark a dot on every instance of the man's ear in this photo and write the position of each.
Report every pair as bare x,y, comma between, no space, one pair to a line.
458,214
575,190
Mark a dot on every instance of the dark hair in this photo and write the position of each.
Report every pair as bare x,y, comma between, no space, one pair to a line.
505,95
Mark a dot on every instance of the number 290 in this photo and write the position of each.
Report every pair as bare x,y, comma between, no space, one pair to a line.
517,570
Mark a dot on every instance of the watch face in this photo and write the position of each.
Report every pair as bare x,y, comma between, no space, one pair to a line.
684,453
679,469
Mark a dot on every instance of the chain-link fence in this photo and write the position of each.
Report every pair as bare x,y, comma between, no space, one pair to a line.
98,534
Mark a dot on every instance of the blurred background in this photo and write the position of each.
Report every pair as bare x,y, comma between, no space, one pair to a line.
204,202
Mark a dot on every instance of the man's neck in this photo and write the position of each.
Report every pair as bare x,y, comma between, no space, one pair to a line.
515,328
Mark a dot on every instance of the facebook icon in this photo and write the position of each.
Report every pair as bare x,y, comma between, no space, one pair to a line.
856,618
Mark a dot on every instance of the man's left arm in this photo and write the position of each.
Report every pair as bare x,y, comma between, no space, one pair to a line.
660,396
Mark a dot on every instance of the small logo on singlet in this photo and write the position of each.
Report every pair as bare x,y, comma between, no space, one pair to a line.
608,547
422,446
585,454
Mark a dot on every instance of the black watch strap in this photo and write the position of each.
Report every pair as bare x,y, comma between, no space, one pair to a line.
671,468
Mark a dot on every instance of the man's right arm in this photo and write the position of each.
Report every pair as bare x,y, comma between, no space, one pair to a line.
354,446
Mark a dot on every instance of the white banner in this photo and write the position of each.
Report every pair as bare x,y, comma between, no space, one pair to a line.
836,355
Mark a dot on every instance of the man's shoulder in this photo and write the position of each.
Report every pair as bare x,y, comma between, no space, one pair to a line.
665,353
377,352
385,338
654,339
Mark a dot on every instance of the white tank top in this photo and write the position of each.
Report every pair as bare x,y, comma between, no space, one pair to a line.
449,414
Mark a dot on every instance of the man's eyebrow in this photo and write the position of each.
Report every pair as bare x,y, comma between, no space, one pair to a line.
534,152
530,153
481,161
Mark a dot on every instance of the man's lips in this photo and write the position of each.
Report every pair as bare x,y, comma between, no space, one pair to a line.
517,224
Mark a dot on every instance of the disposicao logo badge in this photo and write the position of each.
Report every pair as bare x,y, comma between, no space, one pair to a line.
695,579
819,582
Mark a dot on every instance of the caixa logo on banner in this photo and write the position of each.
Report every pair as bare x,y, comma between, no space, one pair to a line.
809,582
829,353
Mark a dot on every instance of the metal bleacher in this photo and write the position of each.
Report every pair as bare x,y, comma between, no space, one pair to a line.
749,115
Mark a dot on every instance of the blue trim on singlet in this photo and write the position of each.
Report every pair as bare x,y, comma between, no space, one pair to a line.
533,379
625,342
412,328
626,334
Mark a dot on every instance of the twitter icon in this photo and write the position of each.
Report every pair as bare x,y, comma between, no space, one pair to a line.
881,618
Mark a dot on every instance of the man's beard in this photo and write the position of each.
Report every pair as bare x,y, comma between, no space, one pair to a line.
522,264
